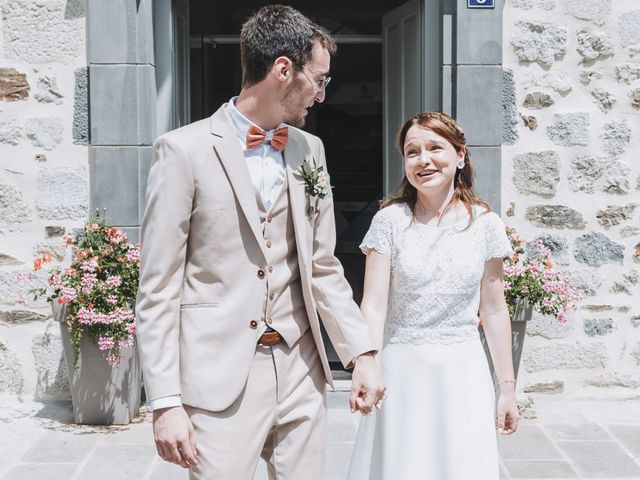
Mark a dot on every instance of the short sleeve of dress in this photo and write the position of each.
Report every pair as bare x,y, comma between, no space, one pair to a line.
497,242
379,236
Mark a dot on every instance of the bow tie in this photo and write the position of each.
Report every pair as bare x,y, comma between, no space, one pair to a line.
256,137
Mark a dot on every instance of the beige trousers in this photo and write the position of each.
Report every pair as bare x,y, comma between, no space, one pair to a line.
280,415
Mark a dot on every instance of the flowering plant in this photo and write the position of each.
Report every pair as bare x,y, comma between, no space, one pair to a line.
531,277
316,183
98,288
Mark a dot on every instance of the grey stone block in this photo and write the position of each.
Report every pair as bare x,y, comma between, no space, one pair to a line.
605,100
615,379
11,289
13,85
542,42
569,129
120,31
627,72
615,214
11,379
594,46
635,98
549,327
21,316
540,469
80,129
586,76
555,216
588,174
529,4
122,104
597,249
557,244
629,231
510,109
6,259
629,28
13,209
616,136
530,443
556,386
133,233
599,459
42,32
537,173
479,104
479,35
48,90
552,356
447,90
62,193
487,168
558,81
596,11
44,132
10,132
598,326
115,182
537,101
53,383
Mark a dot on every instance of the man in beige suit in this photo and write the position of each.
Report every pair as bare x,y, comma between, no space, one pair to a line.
237,263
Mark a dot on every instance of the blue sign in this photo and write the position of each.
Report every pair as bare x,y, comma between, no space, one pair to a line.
480,3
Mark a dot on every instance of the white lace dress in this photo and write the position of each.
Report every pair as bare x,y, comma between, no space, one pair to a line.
438,421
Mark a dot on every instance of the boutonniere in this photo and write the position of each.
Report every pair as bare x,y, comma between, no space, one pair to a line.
316,184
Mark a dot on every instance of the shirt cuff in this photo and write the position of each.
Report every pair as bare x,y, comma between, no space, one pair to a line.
165,402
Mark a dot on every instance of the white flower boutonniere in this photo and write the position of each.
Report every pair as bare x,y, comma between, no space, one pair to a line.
316,184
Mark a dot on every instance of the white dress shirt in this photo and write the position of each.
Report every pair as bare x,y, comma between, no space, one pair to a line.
266,169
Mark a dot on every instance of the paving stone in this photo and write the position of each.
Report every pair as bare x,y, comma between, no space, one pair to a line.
115,461
577,430
529,443
134,433
169,471
60,447
628,435
542,42
599,459
50,471
539,469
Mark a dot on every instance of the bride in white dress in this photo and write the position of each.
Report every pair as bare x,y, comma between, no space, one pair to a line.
434,260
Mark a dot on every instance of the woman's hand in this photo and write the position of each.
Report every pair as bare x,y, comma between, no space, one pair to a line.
507,416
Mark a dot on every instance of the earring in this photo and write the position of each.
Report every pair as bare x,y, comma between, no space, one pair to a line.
460,164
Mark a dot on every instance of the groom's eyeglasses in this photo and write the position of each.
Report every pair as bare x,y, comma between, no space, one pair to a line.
322,83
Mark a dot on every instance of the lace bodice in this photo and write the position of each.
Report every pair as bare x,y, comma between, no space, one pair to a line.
434,292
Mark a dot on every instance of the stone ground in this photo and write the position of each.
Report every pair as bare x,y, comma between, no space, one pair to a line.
558,438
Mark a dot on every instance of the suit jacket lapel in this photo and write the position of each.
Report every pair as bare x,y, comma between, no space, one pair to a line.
230,154
295,153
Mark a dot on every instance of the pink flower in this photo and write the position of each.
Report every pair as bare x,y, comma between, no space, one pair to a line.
85,316
133,255
66,294
88,281
106,343
132,329
114,281
20,300
112,299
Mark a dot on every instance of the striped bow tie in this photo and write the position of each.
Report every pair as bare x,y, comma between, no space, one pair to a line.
256,136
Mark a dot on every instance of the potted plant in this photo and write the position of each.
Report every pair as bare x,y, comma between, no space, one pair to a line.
93,300
531,282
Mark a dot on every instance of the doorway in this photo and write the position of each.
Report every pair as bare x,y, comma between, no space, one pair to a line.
377,82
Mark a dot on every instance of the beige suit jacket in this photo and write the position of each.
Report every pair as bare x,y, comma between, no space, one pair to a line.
202,249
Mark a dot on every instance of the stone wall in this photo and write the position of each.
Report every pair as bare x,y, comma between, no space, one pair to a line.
571,176
43,175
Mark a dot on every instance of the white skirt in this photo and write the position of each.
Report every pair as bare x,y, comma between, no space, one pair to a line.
438,421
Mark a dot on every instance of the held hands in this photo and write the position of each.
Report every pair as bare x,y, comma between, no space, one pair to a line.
367,388
507,416
174,437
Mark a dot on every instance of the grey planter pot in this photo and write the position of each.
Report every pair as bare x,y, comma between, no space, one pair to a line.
523,314
101,395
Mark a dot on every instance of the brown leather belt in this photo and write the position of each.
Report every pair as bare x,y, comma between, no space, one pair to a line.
270,338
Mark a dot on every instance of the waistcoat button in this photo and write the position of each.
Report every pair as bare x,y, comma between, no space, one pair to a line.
269,244
261,273
253,324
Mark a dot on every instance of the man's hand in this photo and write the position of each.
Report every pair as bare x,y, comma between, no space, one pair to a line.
367,387
173,433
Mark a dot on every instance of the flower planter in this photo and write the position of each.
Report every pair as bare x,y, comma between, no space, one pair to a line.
101,394
523,313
